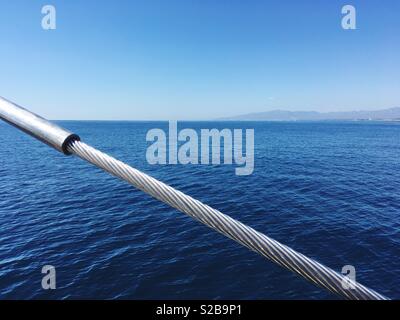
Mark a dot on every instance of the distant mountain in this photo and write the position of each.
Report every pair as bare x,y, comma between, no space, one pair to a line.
392,114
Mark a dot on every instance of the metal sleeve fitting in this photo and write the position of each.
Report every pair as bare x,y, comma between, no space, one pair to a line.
36,126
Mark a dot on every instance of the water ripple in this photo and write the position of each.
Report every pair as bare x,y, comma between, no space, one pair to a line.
329,190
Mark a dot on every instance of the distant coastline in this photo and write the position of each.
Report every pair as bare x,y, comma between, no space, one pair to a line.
392,114
384,115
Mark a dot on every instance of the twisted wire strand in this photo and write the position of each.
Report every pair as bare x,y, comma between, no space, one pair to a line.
280,254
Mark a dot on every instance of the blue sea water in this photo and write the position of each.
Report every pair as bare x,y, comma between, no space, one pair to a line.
330,190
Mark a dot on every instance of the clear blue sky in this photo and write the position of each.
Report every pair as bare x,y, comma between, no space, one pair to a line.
198,59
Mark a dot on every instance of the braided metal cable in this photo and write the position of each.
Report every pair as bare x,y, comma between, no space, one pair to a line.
280,254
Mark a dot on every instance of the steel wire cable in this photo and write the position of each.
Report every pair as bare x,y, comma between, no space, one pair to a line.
282,255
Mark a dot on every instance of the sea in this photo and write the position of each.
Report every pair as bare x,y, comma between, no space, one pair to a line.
330,190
